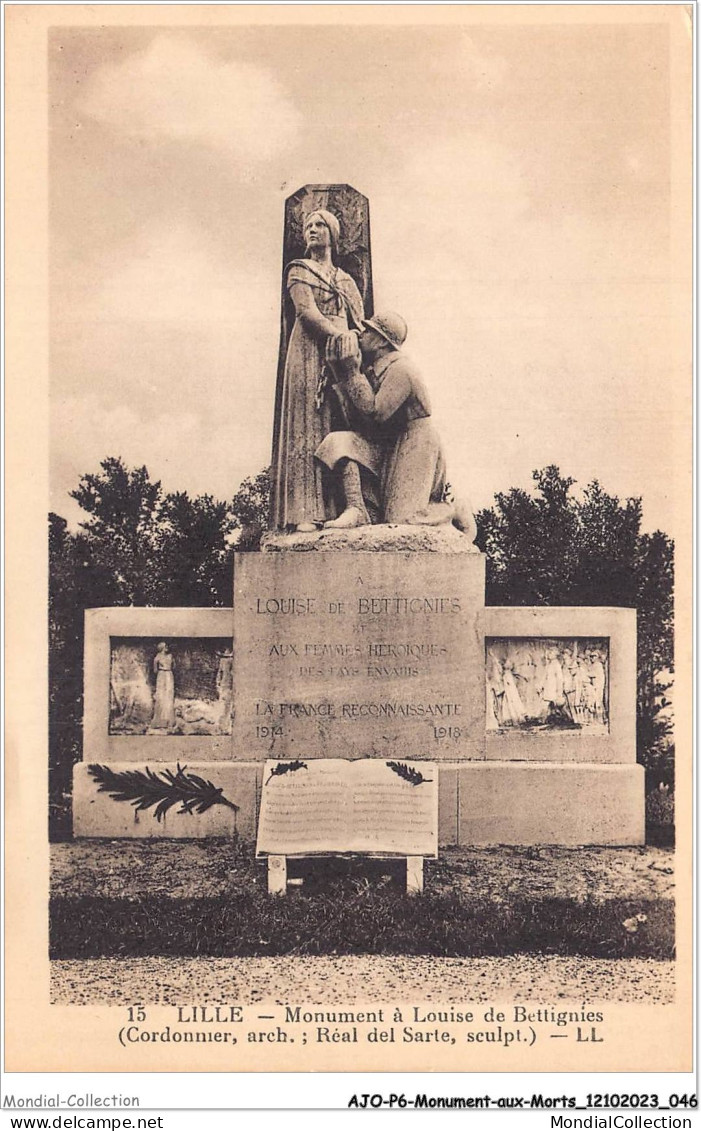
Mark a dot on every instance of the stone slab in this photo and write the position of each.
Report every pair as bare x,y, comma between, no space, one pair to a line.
101,625
96,814
447,805
482,803
619,627
382,539
347,655
550,803
335,805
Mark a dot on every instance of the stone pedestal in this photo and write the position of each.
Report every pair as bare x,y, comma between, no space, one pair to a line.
549,803
341,653
368,643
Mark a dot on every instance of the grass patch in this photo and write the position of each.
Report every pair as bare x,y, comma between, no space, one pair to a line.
162,898
659,817
347,917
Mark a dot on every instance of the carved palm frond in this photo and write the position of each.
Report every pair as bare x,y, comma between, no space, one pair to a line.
144,789
408,773
286,768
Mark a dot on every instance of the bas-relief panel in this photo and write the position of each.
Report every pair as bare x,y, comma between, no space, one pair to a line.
173,686
548,684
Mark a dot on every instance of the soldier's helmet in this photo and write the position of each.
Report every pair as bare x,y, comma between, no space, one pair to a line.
391,326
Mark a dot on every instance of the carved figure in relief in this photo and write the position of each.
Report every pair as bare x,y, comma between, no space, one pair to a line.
327,304
526,671
597,685
164,699
513,710
396,442
225,690
545,685
552,689
570,681
495,690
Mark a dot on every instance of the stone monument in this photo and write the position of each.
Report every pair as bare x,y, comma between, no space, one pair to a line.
371,643
359,630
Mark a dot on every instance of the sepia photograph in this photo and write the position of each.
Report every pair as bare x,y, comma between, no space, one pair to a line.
359,725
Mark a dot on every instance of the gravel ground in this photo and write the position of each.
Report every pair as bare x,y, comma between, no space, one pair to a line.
359,978
121,869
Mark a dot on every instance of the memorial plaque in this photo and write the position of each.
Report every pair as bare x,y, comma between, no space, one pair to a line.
334,806
359,655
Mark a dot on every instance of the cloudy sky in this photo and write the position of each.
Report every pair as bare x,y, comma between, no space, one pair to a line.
520,204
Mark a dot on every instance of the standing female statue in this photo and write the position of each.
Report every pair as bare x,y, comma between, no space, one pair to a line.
164,699
327,304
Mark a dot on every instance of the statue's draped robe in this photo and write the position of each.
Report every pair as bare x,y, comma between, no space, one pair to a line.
164,699
306,404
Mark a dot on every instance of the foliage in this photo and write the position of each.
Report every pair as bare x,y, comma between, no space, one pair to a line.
659,815
210,897
552,548
250,505
154,548
345,914
74,585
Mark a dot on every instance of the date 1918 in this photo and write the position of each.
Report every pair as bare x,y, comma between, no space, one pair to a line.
447,732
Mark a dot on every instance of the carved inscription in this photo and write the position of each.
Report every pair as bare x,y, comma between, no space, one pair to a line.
338,806
360,670
371,660
374,606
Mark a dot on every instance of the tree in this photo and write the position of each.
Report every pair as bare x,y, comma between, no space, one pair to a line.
121,530
551,548
250,505
152,548
76,582
192,552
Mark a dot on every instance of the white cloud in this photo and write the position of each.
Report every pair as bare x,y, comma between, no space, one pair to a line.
179,446
190,339
169,273
177,91
468,197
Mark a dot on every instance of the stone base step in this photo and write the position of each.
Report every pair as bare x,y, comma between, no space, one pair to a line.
480,803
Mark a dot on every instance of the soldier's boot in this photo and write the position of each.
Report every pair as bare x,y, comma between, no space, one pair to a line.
355,513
